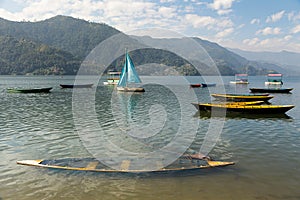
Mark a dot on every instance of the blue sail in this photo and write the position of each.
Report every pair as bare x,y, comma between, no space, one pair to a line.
129,74
123,79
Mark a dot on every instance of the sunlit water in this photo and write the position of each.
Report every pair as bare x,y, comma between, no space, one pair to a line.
41,126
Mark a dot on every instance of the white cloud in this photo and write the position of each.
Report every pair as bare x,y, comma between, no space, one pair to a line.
251,42
222,6
292,16
288,37
275,17
268,31
255,21
225,33
209,22
199,21
271,44
296,29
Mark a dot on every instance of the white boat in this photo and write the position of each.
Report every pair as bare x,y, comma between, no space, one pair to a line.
113,78
240,79
274,79
129,77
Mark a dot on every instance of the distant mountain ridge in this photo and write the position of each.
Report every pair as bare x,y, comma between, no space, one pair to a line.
288,62
68,41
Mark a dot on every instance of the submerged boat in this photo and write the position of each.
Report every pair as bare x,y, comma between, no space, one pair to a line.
76,86
113,78
271,90
240,79
274,79
129,77
254,109
203,85
32,90
242,97
93,165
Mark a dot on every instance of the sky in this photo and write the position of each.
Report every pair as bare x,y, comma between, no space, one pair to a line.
253,25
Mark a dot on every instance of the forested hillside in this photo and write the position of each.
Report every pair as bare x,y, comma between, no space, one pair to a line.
60,44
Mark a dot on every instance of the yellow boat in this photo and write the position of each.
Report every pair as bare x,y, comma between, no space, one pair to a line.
243,103
242,97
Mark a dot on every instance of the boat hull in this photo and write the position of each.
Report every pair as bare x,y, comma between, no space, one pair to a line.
232,97
202,85
34,90
93,165
251,109
239,82
271,90
76,86
130,89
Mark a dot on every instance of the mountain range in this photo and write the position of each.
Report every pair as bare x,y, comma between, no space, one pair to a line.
60,44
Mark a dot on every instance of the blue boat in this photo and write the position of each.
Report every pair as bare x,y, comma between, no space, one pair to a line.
129,77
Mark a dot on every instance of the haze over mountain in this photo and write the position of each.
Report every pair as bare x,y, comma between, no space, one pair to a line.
288,62
58,45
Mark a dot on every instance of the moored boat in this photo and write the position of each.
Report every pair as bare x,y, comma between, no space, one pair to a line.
202,85
200,105
242,97
274,79
240,79
29,90
254,109
271,90
76,85
113,78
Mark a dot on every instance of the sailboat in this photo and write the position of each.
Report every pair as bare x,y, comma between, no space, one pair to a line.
129,77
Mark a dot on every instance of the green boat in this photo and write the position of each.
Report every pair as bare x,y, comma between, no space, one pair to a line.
33,90
249,109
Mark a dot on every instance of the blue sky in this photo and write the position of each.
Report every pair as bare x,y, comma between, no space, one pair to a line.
255,25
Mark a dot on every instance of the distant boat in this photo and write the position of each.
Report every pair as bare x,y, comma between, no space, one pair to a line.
76,86
32,90
274,79
113,78
129,77
254,109
271,90
242,97
240,79
202,85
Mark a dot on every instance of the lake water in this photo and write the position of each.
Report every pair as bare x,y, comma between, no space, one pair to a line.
46,126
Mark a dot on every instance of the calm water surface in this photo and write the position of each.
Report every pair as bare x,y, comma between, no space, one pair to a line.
41,126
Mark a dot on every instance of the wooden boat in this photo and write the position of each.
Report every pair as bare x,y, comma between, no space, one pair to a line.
242,97
113,78
76,86
274,79
32,90
129,77
271,90
202,106
251,109
240,79
203,85
93,165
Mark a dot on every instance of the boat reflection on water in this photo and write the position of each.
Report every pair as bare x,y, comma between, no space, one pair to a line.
233,115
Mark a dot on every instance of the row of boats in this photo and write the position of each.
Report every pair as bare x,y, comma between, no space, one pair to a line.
47,89
244,103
